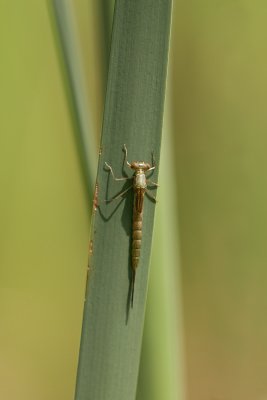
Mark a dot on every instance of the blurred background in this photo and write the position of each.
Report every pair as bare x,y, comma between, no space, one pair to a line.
206,327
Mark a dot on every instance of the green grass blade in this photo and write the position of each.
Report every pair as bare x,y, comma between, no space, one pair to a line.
66,31
163,339
111,337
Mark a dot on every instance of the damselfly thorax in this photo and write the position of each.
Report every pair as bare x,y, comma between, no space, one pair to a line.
140,187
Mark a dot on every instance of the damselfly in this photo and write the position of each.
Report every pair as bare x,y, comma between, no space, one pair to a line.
140,187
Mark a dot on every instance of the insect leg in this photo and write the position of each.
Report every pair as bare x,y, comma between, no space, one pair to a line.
124,178
119,195
153,163
152,183
126,156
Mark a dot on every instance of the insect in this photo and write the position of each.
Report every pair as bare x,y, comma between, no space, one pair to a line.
140,187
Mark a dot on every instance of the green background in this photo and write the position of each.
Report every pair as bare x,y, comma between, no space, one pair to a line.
208,338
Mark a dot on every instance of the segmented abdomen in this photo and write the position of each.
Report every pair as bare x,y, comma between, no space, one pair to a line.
137,230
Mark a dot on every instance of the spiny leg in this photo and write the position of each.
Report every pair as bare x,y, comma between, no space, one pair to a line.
153,163
126,156
152,183
119,195
151,168
124,178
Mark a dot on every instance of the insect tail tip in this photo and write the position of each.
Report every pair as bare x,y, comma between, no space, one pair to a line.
132,290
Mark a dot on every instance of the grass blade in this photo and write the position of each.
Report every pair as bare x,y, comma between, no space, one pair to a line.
111,338
163,338
66,31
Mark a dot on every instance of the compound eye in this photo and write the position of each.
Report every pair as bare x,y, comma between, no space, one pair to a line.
134,165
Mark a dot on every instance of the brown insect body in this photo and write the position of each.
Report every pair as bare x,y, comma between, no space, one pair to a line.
140,188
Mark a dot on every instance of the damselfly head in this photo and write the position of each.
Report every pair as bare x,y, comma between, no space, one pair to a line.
140,165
